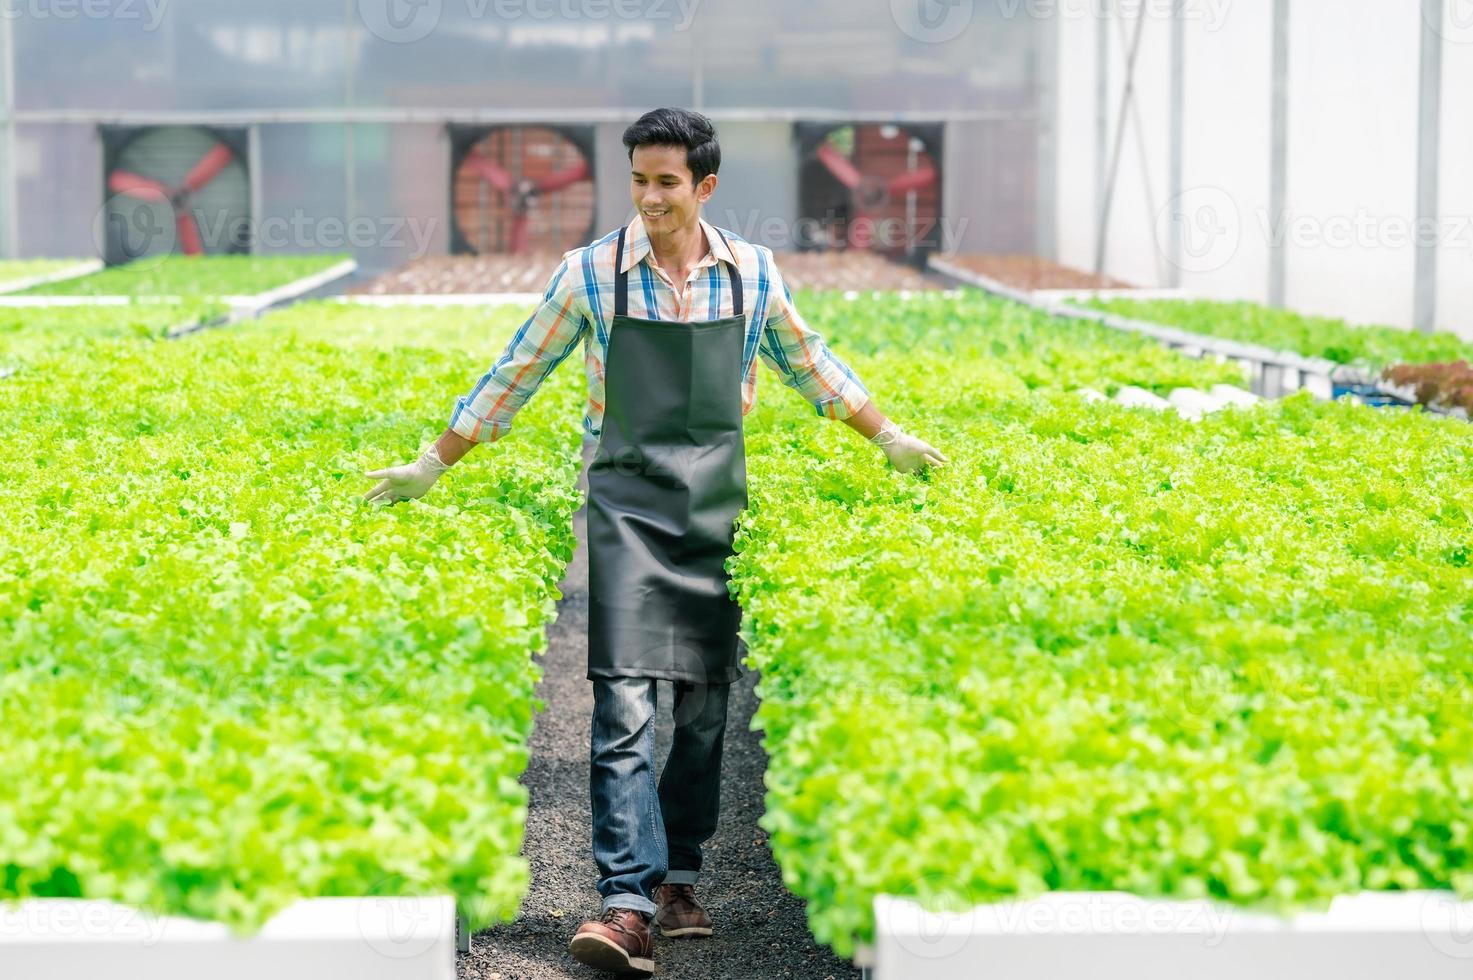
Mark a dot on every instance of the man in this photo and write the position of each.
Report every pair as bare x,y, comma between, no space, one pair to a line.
673,314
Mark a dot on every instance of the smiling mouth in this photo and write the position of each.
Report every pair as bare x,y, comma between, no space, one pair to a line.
655,214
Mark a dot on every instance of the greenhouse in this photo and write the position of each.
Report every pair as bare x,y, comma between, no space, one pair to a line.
1009,513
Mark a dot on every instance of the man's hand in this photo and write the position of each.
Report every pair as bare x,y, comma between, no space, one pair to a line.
408,482
905,452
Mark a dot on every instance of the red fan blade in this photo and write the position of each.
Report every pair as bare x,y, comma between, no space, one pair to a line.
490,172
839,166
563,178
208,167
519,234
126,182
189,241
912,181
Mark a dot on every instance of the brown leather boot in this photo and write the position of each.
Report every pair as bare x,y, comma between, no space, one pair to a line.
619,940
678,914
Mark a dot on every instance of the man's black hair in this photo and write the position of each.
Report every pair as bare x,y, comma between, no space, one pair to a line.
678,127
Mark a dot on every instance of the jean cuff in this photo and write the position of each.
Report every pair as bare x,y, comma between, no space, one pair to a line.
624,900
680,877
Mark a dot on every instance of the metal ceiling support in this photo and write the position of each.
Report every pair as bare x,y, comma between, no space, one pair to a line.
1177,123
1102,103
1045,198
1278,178
253,173
1429,152
350,81
1127,99
1143,153
460,114
9,198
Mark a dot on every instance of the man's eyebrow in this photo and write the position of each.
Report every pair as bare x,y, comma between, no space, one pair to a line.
667,173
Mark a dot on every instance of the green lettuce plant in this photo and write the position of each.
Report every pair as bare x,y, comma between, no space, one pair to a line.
1107,648
1369,347
191,275
227,683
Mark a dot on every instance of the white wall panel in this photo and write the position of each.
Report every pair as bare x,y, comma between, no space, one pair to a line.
1455,259
1353,72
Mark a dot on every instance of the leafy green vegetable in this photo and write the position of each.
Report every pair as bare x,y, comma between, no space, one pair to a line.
1036,349
1106,648
191,275
28,331
226,682
1371,347
15,270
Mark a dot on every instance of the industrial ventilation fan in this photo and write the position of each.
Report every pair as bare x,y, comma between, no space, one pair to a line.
181,189
522,188
874,186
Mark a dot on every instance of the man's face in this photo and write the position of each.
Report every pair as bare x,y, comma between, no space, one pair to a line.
664,190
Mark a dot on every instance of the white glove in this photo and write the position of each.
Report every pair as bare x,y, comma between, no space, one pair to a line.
905,452
408,482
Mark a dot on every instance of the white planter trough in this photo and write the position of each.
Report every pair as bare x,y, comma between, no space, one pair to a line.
84,268
440,299
241,307
379,938
1412,935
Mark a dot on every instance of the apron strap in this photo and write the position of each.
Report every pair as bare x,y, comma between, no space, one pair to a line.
621,279
736,279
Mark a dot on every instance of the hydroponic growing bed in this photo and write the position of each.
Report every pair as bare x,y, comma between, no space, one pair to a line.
1105,649
29,332
202,275
528,274
1029,272
229,684
1370,347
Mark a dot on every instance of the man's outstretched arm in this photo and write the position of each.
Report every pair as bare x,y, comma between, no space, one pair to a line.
547,337
798,353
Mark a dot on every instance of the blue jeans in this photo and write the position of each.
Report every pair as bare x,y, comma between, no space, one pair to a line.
644,834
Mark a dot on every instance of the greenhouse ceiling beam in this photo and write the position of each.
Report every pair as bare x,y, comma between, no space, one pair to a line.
1429,153
226,117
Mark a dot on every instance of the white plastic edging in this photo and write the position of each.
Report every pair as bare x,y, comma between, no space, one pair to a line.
1274,373
313,939
254,305
904,294
440,299
21,301
1121,292
980,281
241,306
84,268
1410,935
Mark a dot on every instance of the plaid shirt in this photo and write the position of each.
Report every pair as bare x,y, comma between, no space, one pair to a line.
579,305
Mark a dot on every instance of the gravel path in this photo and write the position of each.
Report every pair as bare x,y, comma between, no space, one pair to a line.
760,929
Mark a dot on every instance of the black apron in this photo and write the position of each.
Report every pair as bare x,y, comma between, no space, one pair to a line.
665,486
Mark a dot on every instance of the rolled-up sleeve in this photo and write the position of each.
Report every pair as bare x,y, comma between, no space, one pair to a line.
799,354
542,343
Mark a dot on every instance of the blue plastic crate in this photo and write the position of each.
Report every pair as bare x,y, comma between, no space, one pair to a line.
1370,395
